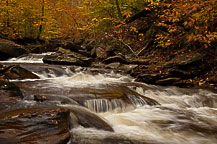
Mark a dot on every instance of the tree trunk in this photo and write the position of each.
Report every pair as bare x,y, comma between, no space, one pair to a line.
119,10
42,20
8,16
113,8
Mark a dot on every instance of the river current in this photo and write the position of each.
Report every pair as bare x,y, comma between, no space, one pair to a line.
183,116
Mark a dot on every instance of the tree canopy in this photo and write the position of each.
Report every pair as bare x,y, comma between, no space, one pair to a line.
191,20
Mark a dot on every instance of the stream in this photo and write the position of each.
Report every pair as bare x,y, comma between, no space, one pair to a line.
183,115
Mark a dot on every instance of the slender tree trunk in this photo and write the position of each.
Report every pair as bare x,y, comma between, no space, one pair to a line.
8,15
119,10
42,19
113,8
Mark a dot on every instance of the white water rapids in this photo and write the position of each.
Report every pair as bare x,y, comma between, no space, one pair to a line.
184,116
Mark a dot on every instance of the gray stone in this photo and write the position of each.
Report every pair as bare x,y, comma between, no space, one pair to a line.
67,57
9,49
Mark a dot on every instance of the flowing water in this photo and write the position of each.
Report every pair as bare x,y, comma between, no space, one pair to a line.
183,116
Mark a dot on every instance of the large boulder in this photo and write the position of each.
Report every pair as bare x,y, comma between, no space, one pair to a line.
67,57
35,125
187,66
84,117
21,124
9,49
16,72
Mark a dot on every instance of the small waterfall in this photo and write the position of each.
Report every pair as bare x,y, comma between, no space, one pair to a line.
106,105
30,58
137,101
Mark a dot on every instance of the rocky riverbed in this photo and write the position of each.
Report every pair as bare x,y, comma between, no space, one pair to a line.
67,96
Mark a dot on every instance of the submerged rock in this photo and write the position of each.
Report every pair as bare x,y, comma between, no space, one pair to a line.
67,57
9,49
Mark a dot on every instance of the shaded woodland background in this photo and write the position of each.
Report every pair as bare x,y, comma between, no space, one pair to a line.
167,23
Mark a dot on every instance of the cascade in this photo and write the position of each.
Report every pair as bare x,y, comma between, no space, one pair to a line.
182,115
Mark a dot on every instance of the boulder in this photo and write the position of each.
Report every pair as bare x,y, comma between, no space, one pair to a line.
72,46
127,68
187,67
100,53
112,59
35,125
17,72
149,78
114,65
67,57
9,49
84,117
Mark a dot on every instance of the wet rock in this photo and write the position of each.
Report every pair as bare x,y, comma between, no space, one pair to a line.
184,83
167,81
9,95
127,68
149,78
98,65
36,125
67,57
75,47
17,72
40,98
83,138
99,53
37,48
107,98
187,67
9,49
84,117
114,65
113,59
5,85
66,44
212,79
110,50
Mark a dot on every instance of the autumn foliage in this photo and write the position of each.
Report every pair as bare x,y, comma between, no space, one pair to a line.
169,23
42,19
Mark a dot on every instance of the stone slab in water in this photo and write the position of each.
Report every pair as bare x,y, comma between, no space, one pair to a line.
17,72
86,118
35,125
